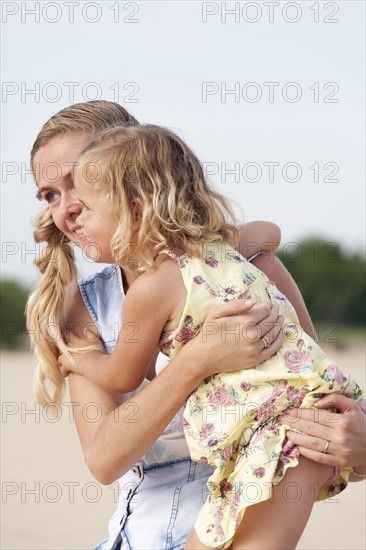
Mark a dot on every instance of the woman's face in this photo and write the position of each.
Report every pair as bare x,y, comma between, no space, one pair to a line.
52,166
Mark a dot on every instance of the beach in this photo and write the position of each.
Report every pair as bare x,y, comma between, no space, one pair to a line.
50,500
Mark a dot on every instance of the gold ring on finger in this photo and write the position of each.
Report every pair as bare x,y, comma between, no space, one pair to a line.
326,448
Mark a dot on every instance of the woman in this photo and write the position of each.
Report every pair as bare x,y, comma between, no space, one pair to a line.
163,490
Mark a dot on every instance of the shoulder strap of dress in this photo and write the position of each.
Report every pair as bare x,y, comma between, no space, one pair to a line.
169,253
254,256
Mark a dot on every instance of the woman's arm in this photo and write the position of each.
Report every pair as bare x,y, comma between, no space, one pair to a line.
258,236
138,422
276,271
346,430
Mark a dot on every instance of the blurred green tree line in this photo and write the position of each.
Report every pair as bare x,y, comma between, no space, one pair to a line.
332,283
13,298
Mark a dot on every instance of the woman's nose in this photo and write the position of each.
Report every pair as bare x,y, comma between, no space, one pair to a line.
72,205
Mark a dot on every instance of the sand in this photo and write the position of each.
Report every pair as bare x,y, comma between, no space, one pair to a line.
50,501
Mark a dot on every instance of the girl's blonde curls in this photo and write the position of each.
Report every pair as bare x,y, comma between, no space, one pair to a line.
180,210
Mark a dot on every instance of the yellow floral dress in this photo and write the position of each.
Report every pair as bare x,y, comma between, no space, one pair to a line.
230,420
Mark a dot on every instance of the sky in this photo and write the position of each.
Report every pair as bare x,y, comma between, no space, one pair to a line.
269,95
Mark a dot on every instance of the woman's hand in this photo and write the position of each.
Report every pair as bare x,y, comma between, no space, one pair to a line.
345,431
235,336
83,346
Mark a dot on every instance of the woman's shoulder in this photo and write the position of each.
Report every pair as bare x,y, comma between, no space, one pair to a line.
108,273
77,313
103,296
104,284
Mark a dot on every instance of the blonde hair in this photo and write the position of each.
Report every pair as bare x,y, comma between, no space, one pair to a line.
180,210
46,316
87,119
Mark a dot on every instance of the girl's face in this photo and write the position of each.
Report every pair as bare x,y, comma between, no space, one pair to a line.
95,223
52,165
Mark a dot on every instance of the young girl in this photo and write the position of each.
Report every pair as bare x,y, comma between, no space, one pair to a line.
148,207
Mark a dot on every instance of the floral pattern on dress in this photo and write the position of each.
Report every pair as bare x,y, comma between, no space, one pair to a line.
188,331
200,281
231,419
211,261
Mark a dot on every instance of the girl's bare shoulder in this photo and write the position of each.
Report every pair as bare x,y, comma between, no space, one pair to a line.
160,283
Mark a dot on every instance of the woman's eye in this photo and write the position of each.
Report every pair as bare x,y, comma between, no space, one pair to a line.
50,197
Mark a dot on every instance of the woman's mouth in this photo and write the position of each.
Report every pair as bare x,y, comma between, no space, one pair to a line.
79,234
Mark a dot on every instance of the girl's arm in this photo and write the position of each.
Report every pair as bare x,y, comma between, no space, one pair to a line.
147,308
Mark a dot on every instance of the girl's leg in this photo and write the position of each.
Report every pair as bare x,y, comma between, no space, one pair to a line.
194,543
277,524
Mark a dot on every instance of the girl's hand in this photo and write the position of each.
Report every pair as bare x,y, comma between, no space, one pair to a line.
345,431
232,337
68,365
73,362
